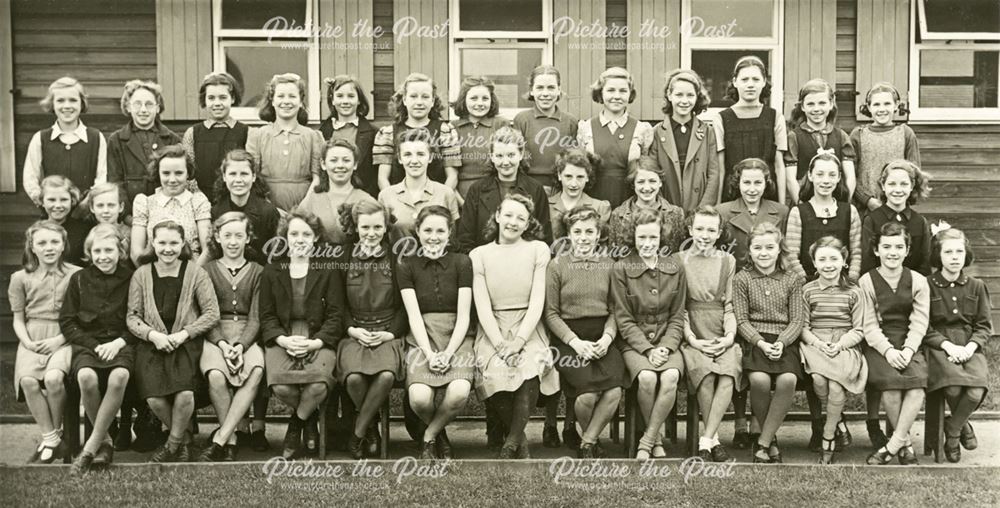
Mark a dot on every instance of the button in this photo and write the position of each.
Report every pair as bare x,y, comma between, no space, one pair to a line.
951,285
154,146
234,302
899,218
651,335
236,318
954,298
234,288
954,311
67,147
284,152
663,140
767,293
286,141
825,221
654,291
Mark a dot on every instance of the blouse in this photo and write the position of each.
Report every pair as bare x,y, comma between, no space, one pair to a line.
962,303
398,200
702,274
286,155
326,207
508,270
39,294
768,303
436,281
642,136
186,209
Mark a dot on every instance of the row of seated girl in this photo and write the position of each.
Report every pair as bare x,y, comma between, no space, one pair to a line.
316,322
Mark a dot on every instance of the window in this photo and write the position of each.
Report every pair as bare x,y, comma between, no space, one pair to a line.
717,33
503,40
256,39
955,61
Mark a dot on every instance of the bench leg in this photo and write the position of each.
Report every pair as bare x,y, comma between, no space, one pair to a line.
630,423
672,424
692,422
615,430
384,424
71,420
322,429
934,425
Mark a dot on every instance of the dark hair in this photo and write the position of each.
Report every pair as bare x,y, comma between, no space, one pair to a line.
690,76
950,234
29,261
334,84
532,232
349,213
433,211
511,136
542,70
816,85
220,78
834,243
891,229
749,61
398,110
305,216
469,83
420,135
644,163
214,249
918,178
239,155
583,213
324,178
883,86
150,255
597,88
167,152
751,163
266,109
580,158
840,192
644,216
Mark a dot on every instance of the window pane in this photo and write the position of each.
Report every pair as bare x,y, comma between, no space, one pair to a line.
253,67
748,18
962,16
958,78
506,67
500,15
716,70
255,14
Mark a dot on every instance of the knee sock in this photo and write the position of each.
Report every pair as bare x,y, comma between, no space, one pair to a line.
962,409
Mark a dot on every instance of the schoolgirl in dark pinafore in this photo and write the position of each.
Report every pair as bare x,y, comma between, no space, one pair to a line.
210,145
893,311
77,161
611,183
814,228
745,138
808,147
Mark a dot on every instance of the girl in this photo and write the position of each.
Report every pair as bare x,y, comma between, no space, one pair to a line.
300,325
405,199
647,180
547,129
207,142
578,311
896,310
649,291
132,147
751,179
68,148
93,321
751,129
814,130
336,188
232,362
59,198
901,184
288,151
710,352
36,295
436,288
831,335
767,301
106,202
880,142
613,135
512,349
349,108
684,146
371,355
824,211
508,176
574,171
171,305
171,201
239,188
476,108
416,105
956,361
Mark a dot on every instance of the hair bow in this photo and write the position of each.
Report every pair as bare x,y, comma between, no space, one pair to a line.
827,151
939,226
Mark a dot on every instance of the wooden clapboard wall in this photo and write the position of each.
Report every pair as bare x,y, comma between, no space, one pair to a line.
7,171
183,54
579,59
427,55
810,46
346,54
648,62
882,45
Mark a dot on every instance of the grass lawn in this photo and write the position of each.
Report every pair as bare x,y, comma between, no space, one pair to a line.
476,484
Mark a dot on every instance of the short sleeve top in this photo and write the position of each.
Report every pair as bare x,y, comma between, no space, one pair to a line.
509,270
436,281
39,294
186,208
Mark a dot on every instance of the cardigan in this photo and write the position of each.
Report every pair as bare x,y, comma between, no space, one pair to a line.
324,304
197,307
239,299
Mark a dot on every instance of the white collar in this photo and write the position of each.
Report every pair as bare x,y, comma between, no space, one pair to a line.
80,131
162,199
618,123
338,123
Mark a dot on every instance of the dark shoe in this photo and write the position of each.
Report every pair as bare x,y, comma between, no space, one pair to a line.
816,439
373,440
34,456
214,453
184,453
875,434
907,457
292,445
82,464
773,452
719,454
585,451
741,439
428,449
51,454
571,437
242,439
952,449
164,454
550,437
105,455
148,440
507,452
230,453
968,437
599,451
355,446
705,455
123,440
829,445
842,436
523,452
443,445
310,435
880,457
258,441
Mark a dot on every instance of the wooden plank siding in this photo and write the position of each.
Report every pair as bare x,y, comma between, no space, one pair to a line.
579,59
650,63
183,54
427,55
346,54
882,45
7,164
616,52
847,30
809,46
383,65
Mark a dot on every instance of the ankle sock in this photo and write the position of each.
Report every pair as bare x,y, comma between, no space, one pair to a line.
705,443
52,438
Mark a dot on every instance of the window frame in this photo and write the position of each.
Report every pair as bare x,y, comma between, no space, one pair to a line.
773,44
927,35
459,39
223,38
931,115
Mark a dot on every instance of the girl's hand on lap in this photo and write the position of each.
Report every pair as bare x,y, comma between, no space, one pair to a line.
895,359
582,348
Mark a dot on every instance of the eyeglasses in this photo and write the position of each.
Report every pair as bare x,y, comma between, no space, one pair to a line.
143,105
